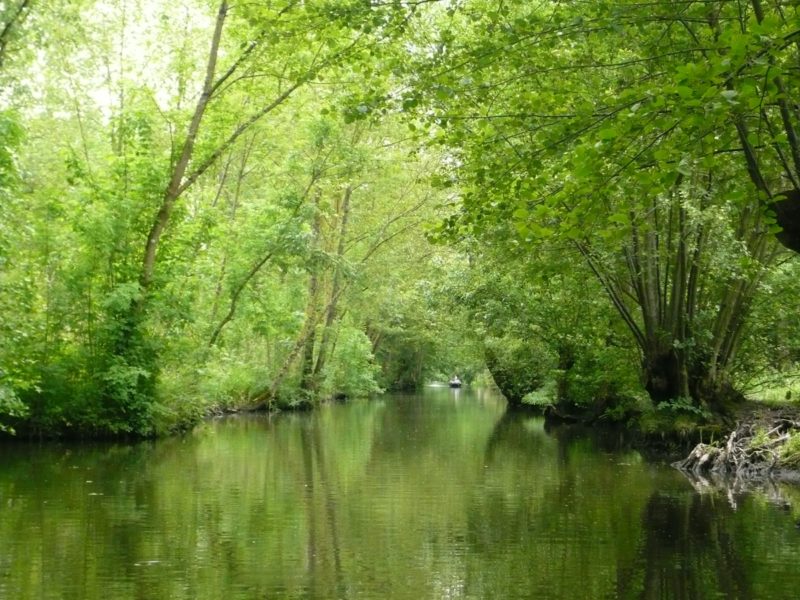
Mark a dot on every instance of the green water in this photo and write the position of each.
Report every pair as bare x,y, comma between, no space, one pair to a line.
440,495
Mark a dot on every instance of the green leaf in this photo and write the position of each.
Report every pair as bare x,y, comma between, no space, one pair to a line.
608,133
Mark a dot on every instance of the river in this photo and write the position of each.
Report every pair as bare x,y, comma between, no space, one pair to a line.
436,495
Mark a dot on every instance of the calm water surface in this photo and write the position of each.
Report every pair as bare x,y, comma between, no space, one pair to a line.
441,495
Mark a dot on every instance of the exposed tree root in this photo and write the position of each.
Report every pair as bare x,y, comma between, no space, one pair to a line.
753,451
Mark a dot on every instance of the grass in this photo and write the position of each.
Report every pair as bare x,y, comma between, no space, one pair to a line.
776,390
790,452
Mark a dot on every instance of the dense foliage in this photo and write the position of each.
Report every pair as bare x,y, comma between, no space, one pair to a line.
653,142
217,205
191,220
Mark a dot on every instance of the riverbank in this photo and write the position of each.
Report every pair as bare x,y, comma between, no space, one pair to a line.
757,440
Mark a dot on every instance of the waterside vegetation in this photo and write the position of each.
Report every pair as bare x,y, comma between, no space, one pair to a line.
210,206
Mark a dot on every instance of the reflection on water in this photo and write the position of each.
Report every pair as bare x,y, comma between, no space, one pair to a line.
443,495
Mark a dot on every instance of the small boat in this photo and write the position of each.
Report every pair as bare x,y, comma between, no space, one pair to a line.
455,382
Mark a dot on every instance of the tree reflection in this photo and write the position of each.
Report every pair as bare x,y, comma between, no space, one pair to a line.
409,499
518,430
687,552
322,518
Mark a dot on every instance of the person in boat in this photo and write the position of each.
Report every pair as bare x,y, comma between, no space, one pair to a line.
455,381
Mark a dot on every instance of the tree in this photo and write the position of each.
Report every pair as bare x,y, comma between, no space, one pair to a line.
550,336
159,221
595,126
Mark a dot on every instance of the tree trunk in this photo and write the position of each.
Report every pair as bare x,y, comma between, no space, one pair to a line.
566,360
310,329
669,375
661,371
330,313
175,187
